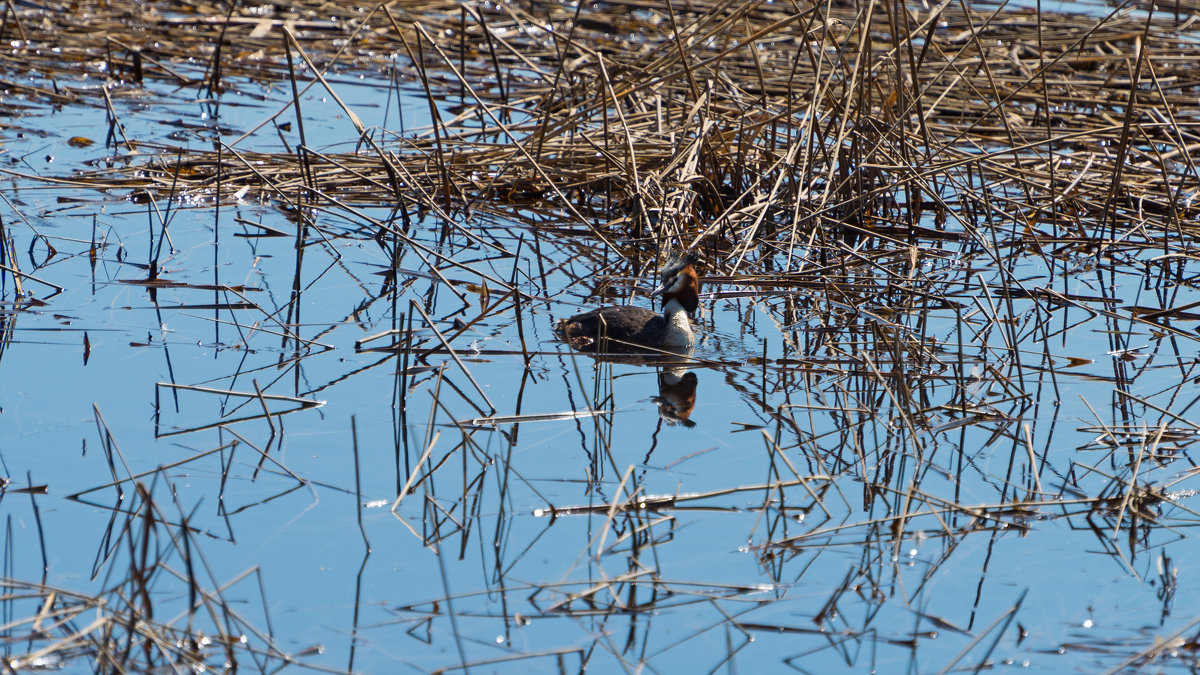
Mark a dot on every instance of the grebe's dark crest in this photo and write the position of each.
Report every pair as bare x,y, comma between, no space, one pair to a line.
614,329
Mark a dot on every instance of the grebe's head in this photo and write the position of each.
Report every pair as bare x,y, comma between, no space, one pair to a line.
680,282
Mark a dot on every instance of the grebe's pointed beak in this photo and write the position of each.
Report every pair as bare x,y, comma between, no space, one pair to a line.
662,288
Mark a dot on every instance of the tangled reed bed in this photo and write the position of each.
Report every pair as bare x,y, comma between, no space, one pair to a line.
743,125
801,145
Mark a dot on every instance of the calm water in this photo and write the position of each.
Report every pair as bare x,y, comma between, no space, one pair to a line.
762,538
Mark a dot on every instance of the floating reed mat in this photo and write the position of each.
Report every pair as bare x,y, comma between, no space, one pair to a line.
754,123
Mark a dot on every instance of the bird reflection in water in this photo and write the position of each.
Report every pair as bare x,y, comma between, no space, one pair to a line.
676,395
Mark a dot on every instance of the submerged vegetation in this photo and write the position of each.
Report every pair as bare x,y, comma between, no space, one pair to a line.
950,264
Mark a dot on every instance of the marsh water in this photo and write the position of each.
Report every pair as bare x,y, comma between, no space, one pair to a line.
248,429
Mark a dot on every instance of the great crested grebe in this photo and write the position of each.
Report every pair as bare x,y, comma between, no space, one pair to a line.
626,328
